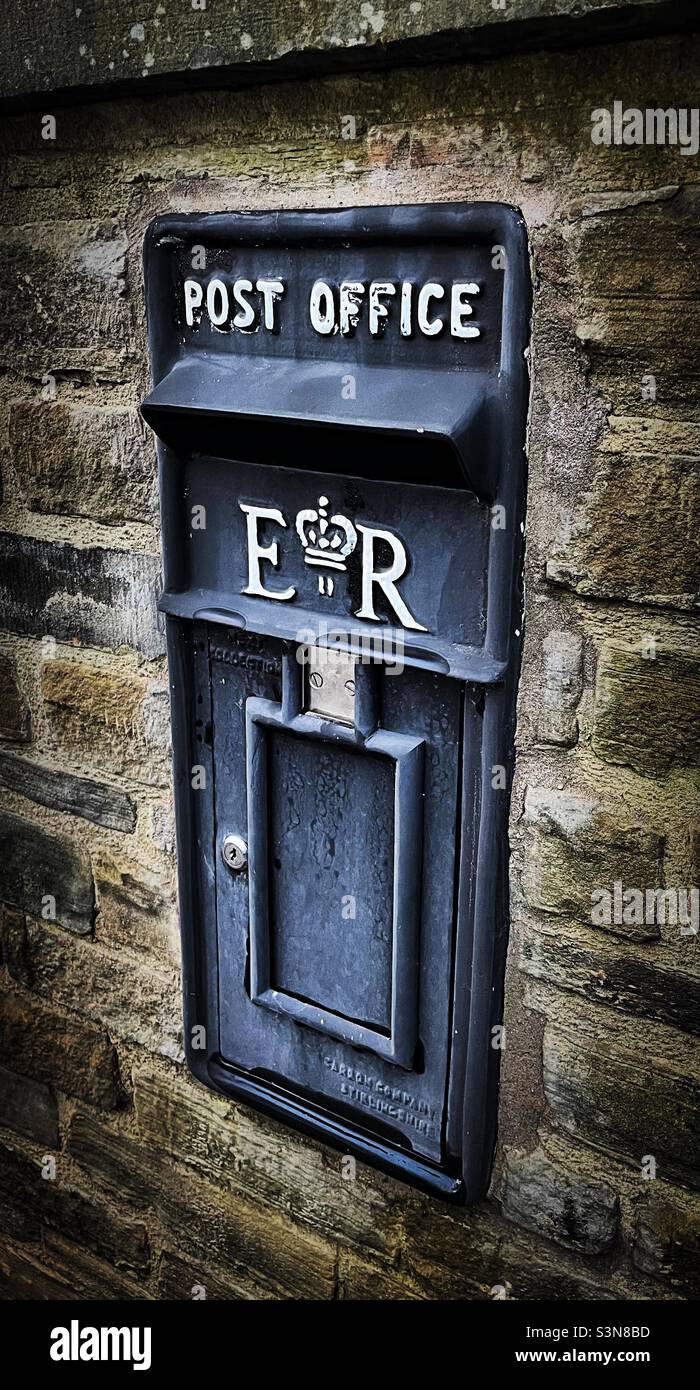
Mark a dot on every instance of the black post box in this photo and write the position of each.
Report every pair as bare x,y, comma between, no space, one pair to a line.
340,401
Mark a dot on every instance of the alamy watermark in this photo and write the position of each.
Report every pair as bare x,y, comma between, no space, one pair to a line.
629,125
637,907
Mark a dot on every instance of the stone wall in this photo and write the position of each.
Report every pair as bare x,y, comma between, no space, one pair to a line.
120,1176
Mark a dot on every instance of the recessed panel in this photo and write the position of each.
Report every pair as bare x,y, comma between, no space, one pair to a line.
331,876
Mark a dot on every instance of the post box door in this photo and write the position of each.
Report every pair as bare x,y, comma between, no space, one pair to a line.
336,934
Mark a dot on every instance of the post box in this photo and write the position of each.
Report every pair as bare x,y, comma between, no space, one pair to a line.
340,404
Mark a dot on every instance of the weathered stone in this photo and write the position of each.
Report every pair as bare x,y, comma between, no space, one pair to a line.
14,715
188,1280
81,796
107,718
23,1278
103,47
562,688
607,975
134,1001
13,941
534,1275
633,537
571,1210
230,1145
45,876
666,1245
83,460
628,1103
451,1257
104,598
136,907
55,1204
647,706
68,1052
28,1107
209,1222
86,1275
577,848
76,269
359,1281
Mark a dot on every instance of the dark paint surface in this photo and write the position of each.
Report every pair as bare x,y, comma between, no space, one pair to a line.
371,1029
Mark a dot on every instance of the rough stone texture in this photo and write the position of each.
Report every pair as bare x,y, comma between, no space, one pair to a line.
29,1108
571,1211
14,715
105,598
95,45
116,720
629,982
647,709
576,848
83,461
173,1184
208,1221
262,1158
95,801
562,689
136,907
634,1105
667,1244
68,1052
135,1002
55,1204
44,876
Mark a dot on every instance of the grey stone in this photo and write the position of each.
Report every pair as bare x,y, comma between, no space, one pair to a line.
106,598
562,688
44,876
573,1211
95,801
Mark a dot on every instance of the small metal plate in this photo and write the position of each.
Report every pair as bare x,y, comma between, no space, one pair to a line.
330,684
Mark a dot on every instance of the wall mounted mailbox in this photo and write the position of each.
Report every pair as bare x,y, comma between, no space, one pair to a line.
340,403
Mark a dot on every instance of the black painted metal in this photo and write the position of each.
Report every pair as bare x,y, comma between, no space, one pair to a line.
370,1029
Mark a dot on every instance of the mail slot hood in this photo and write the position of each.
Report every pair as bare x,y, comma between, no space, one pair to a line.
312,340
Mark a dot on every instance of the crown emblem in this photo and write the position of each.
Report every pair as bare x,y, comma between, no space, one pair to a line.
327,541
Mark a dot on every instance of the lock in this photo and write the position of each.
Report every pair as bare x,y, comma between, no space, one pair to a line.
341,455
234,852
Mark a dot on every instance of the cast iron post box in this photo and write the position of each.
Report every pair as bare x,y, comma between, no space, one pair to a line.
340,403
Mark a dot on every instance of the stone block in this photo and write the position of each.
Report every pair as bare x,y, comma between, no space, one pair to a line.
188,1280
647,707
28,1107
80,796
578,847
666,1244
111,719
45,876
65,1051
569,1209
211,1223
626,981
54,1204
14,715
84,460
136,907
102,598
233,1146
631,1104
132,1000
562,688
